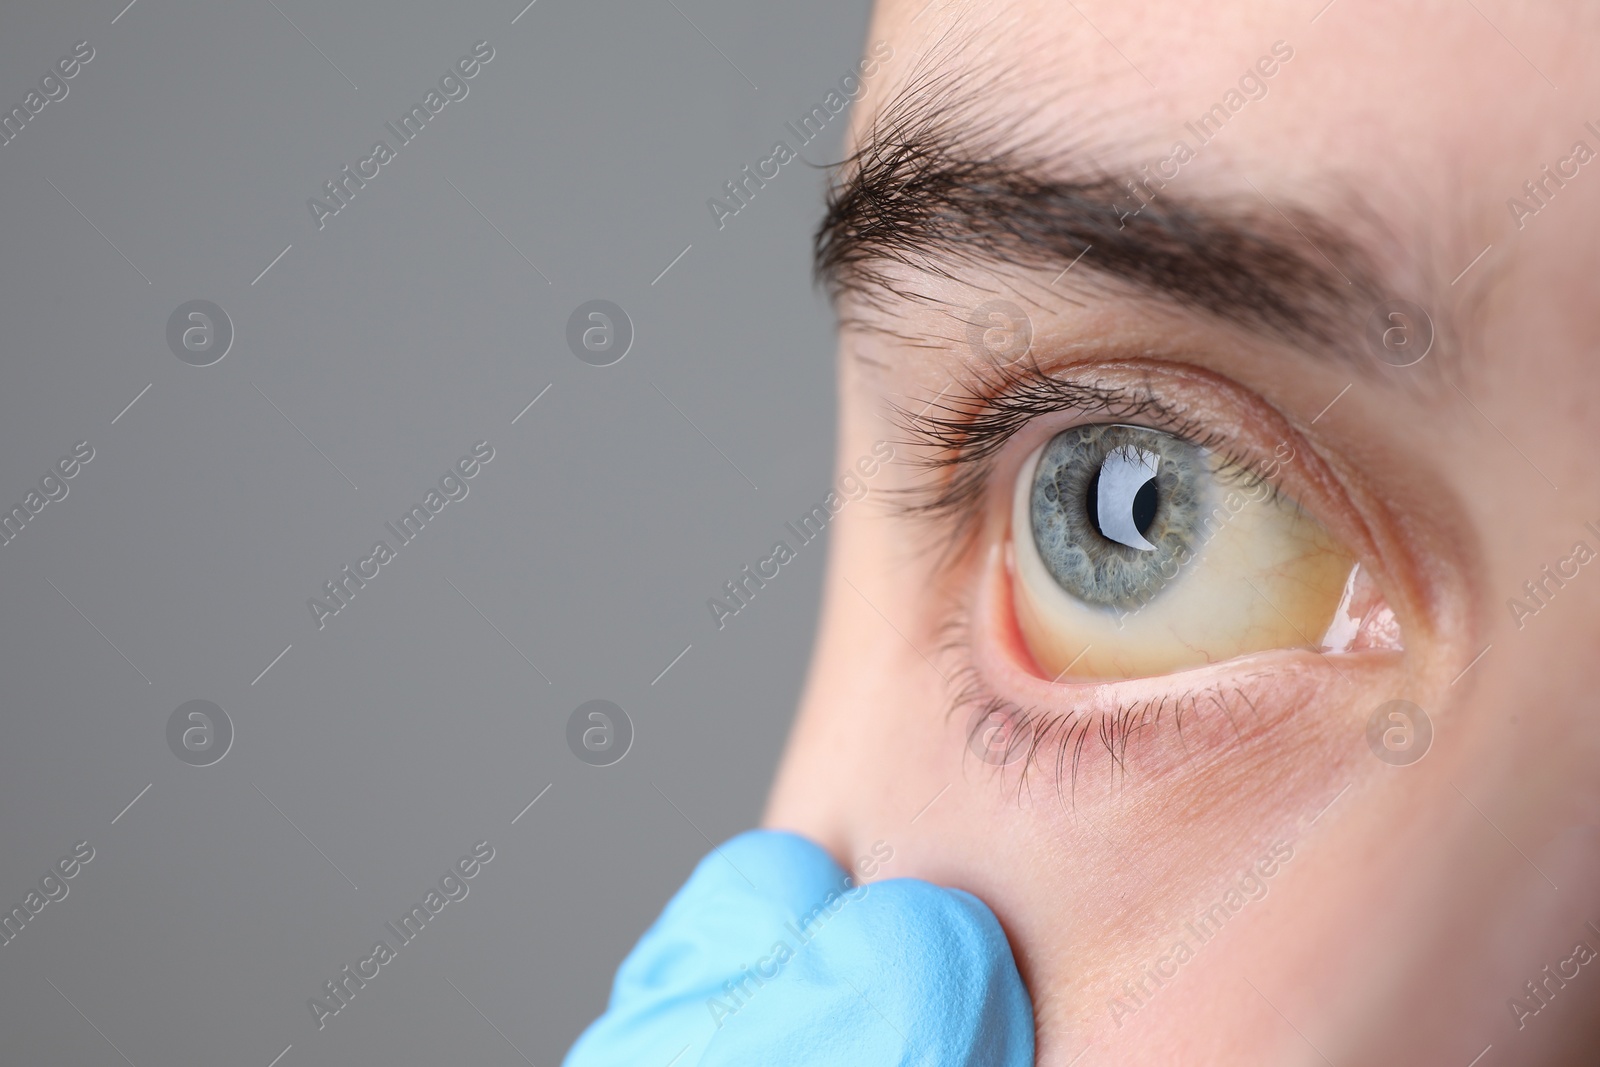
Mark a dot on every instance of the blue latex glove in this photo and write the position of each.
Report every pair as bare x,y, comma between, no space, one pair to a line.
770,955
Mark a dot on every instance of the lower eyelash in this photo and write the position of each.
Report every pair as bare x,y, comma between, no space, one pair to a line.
1066,733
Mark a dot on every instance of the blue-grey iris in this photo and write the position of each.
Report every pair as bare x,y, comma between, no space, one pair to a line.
1115,510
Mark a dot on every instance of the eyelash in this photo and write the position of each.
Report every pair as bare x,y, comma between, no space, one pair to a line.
1116,728
959,440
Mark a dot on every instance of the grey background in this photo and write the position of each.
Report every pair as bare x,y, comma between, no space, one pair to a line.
392,340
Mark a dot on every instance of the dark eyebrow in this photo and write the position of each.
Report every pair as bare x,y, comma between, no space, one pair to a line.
935,189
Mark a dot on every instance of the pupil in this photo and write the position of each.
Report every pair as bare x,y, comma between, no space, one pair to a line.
1144,504
1091,502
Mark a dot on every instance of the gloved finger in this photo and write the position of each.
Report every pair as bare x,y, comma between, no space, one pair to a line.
910,973
769,954
739,898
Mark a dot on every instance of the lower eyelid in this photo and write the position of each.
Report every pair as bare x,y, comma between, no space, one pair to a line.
1153,726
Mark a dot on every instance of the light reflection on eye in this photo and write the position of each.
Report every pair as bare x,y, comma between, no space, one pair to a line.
1154,555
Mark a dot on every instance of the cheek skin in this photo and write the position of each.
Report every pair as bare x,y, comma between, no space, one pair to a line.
1118,862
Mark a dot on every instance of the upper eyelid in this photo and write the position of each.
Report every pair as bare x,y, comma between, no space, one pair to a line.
963,436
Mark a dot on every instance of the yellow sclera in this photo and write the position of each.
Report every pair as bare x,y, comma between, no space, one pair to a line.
1266,575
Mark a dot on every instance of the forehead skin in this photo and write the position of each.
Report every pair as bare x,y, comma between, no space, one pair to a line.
1404,913
1425,115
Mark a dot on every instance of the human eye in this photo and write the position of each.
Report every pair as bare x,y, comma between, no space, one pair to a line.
1139,534
1135,551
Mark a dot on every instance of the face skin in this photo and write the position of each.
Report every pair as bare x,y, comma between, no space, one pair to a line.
1397,912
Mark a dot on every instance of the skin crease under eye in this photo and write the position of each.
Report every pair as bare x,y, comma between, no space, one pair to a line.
1268,576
